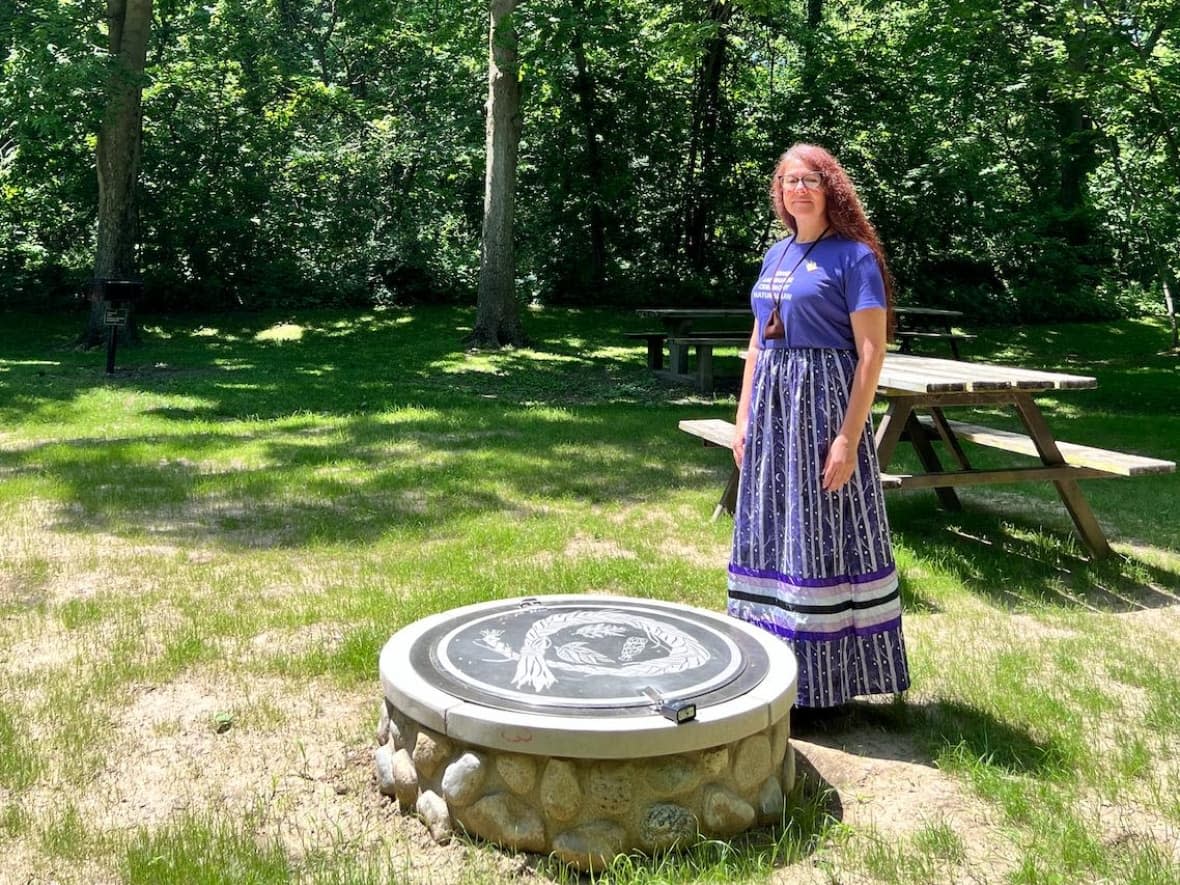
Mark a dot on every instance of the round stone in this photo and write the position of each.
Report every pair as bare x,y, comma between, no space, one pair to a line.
561,796
672,777
383,724
665,826
779,735
609,788
405,780
789,769
463,779
771,801
725,813
519,773
505,819
394,735
715,761
592,845
383,761
430,751
434,813
751,762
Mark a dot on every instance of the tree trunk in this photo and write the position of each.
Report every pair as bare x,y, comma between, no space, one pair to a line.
1079,157
702,144
811,60
497,320
1169,303
117,155
584,87
1078,140
815,13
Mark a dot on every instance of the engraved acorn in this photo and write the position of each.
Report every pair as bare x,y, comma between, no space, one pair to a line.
632,647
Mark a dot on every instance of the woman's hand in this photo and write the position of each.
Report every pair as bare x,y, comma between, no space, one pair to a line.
839,464
739,444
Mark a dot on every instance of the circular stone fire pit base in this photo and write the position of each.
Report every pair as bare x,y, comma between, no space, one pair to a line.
532,724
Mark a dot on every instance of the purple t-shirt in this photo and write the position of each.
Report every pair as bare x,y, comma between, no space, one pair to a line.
839,277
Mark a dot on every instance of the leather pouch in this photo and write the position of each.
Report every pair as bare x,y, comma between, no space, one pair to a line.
774,327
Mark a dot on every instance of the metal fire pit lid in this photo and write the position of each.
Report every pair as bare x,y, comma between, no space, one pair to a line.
577,676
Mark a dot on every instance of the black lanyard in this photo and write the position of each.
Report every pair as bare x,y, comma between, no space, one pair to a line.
778,299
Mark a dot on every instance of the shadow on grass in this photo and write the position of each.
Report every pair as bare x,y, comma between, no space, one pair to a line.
925,733
354,479
334,363
1015,562
913,601
403,430
577,416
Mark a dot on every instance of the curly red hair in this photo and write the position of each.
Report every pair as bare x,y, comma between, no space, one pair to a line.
844,209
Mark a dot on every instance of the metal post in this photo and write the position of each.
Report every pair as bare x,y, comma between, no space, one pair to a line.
112,344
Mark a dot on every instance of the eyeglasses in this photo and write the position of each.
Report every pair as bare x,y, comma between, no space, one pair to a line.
813,181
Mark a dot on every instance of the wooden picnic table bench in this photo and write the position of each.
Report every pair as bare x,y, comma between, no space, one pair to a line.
703,345
928,323
655,343
678,324
918,389
655,346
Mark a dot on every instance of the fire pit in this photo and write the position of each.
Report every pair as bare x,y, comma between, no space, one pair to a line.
586,726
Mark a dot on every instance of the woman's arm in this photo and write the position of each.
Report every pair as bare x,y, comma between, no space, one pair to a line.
743,411
868,331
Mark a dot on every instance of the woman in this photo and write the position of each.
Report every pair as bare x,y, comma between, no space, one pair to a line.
812,560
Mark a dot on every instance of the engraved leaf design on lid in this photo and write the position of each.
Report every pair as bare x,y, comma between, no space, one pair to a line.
578,653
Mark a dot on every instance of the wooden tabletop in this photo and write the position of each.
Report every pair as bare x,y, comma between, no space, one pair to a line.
921,374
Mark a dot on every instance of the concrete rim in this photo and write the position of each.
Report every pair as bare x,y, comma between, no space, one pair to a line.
580,737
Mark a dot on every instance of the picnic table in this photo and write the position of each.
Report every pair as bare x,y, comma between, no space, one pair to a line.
680,336
927,323
918,390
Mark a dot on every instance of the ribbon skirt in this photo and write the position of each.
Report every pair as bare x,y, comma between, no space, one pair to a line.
813,567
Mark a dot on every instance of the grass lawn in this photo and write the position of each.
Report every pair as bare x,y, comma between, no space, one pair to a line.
202,556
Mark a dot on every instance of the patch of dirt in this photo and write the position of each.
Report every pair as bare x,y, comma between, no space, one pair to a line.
167,755
656,517
325,635
583,547
54,648
306,781
1130,823
884,783
707,558
886,789
22,865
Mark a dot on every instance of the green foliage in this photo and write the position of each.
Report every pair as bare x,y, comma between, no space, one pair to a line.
1018,158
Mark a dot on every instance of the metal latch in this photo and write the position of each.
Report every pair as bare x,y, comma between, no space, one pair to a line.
678,711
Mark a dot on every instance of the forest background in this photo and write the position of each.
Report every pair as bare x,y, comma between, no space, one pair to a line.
1020,158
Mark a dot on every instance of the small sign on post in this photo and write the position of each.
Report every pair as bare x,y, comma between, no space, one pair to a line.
117,296
116,316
